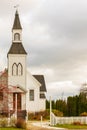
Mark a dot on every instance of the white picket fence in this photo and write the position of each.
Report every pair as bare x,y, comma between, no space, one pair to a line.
66,120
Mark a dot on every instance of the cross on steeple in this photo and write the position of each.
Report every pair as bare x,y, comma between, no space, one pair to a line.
17,46
16,6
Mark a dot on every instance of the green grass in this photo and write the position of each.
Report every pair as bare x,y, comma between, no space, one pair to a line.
11,129
72,126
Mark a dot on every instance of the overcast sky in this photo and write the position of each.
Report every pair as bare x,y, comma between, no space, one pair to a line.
55,38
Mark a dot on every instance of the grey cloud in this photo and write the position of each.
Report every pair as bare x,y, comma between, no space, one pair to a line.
54,35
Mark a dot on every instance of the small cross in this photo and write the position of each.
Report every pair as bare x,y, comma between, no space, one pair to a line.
16,6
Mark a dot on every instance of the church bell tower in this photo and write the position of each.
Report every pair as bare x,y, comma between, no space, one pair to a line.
17,57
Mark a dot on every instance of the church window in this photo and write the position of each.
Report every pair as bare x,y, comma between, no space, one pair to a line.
16,36
20,69
14,69
1,96
31,95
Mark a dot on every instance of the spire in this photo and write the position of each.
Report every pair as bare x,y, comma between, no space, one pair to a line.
17,24
17,46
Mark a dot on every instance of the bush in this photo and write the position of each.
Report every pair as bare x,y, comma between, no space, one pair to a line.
83,114
20,124
76,123
37,115
45,114
57,113
12,122
3,122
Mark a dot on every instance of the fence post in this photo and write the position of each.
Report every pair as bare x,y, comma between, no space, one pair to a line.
86,120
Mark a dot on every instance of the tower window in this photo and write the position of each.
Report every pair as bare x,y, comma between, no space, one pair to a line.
20,69
17,69
31,95
14,69
16,36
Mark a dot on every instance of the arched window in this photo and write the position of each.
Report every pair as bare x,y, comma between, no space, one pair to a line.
20,69
14,69
16,36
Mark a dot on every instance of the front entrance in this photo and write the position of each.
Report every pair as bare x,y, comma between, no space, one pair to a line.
17,96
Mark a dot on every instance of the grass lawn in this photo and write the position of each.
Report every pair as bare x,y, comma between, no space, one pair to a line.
72,126
11,129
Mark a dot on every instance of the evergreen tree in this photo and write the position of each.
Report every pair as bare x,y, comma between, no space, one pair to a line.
61,106
47,104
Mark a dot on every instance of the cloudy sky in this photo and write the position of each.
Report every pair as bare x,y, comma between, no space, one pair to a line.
55,37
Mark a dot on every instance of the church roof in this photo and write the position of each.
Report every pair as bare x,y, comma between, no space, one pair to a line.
42,96
17,24
17,89
40,78
17,48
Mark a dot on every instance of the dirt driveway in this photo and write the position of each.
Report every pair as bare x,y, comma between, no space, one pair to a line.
30,126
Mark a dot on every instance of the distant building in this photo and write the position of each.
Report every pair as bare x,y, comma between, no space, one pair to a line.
20,90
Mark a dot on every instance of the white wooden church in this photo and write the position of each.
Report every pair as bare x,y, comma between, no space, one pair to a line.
19,89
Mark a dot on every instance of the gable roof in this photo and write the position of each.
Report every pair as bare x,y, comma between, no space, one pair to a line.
17,24
17,89
40,78
17,48
42,96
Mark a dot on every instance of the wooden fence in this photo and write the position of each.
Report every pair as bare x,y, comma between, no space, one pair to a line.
67,120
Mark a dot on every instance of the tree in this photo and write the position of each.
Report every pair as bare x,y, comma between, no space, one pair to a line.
73,105
10,96
53,104
47,104
61,106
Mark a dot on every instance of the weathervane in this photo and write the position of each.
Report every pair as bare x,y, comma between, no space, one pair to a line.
16,6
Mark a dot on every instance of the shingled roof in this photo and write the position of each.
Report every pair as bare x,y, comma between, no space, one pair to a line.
17,48
17,24
42,96
40,78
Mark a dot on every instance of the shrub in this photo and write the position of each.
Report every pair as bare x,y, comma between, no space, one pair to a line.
3,122
57,113
45,114
12,121
83,114
37,115
20,124
76,123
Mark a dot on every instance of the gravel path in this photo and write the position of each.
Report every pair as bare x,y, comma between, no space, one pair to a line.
37,126
31,127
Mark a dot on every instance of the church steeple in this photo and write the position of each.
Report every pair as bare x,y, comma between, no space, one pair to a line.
17,46
17,24
17,29
17,56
